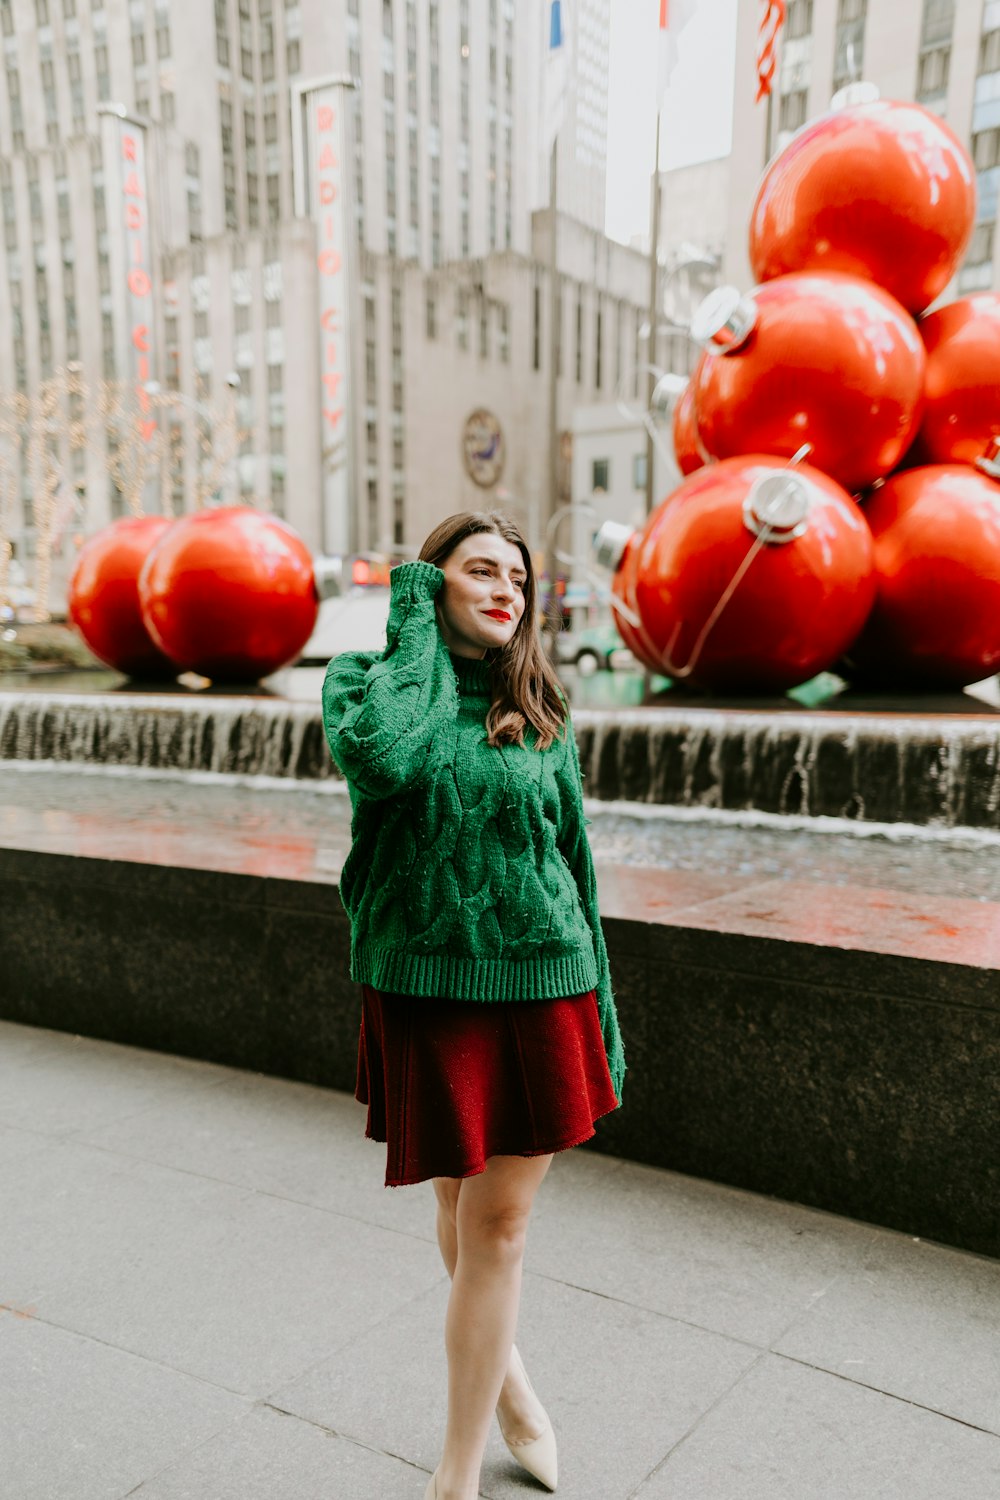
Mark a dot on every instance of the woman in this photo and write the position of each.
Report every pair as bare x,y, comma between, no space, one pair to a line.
489,1038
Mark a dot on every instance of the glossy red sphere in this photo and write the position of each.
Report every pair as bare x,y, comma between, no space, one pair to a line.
103,600
884,190
230,594
936,618
623,588
794,610
962,384
832,361
688,452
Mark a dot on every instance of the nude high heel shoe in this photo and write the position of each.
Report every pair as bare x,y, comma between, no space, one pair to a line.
537,1455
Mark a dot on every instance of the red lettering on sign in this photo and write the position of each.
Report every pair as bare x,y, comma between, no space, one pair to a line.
139,283
325,117
132,188
333,417
147,429
327,192
328,322
133,216
128,147
331,382
329,262
328,159
140,336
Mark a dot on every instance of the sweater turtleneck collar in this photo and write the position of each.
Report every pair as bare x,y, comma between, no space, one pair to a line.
473,675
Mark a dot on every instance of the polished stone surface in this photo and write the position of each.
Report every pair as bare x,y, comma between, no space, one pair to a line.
210,1296
913,892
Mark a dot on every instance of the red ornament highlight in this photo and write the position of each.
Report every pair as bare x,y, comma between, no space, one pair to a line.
103,600
936,617
230,594
962,384
688,452
752,576
828,360
883,190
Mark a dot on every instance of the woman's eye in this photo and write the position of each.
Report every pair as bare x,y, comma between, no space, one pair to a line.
486,571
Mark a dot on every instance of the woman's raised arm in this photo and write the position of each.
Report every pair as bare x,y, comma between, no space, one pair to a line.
383,719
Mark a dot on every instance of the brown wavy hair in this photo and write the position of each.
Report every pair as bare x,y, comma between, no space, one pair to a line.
524,686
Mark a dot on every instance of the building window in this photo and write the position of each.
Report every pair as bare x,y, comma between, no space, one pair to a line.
579,336
799,19
598,349
430,312
503,332
462,317
989,52
638,471
849,47
536,327
932,73
484,329
600,474
792,113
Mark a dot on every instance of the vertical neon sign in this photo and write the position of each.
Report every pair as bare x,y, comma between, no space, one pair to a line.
325,153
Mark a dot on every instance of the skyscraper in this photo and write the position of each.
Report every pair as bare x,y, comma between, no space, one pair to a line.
445,151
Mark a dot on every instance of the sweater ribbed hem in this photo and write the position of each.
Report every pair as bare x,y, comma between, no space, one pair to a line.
440,975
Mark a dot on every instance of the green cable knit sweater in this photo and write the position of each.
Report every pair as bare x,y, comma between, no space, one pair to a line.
470,873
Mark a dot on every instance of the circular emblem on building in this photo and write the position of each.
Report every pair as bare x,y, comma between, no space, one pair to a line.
483,448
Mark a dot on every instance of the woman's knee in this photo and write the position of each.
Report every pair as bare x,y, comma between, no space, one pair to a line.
495,1207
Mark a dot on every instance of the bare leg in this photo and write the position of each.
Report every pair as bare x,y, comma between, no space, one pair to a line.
491,1225
520,1412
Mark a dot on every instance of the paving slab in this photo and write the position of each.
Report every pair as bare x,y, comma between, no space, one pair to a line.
698,1252
228,1284
787,1432
207,1294
622,1386
294,1140
80,1420
269,1455
913,1321
60,1085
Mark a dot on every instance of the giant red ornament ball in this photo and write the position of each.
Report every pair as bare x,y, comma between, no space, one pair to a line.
230,593
828,360
884,190
936,618
623,588
803,597
688,451
103,599
962,385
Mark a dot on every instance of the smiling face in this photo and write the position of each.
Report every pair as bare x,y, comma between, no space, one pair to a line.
483,573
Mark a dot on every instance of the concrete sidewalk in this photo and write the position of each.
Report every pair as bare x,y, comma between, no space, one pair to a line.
209,1295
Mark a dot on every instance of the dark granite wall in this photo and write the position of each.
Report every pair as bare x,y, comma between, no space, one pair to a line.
860,1083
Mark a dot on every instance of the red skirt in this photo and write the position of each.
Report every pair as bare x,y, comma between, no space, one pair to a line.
449,1083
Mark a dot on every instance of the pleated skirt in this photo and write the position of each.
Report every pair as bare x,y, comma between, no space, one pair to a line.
450,1083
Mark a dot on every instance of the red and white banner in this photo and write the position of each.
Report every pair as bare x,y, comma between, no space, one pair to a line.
328,162
674,16
771,22
130,254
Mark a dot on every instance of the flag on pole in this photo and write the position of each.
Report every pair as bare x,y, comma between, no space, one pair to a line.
674,16
556,77
771,22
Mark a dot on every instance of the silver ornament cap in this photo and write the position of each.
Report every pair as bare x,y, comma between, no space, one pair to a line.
724,320
777,506
609,544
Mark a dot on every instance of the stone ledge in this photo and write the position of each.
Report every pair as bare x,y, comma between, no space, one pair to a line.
857,1081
